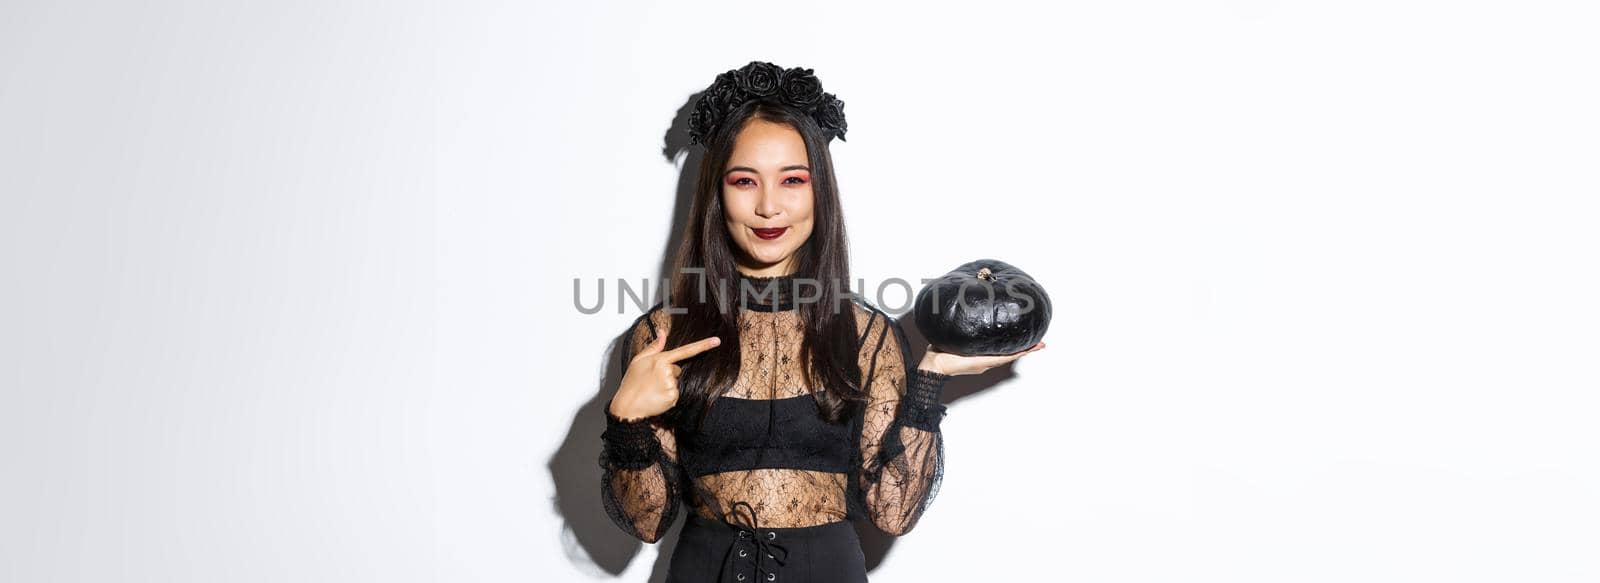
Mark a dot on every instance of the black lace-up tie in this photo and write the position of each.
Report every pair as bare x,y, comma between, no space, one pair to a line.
751,538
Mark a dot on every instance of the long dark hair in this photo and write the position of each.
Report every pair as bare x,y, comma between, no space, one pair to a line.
709,303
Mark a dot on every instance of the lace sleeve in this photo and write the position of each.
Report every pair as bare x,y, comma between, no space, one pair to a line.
901,452
641,482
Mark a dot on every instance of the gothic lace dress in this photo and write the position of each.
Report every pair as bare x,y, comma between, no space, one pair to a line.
763,454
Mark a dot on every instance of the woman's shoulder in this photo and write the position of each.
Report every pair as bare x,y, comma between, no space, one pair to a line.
645,326
870,318
657,317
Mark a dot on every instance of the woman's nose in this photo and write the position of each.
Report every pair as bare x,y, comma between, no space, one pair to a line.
767,205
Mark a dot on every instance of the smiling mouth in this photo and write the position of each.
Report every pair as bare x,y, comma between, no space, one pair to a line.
770,234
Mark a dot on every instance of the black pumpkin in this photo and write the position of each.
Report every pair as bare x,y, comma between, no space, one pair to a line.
985,307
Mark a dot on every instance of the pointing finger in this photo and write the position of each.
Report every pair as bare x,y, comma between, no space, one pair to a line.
691,349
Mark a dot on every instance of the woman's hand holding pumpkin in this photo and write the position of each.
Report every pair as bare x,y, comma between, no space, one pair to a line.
949,363
650,385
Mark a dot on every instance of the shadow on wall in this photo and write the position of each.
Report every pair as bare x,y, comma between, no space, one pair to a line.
589,536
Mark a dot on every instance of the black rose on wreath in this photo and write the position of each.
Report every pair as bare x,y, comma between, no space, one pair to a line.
759,79
714,104
725,95
830,115
801,89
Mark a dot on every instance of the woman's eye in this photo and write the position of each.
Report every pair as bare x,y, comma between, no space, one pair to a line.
795,179
742,181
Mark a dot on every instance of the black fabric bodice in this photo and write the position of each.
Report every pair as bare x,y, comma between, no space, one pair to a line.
737,435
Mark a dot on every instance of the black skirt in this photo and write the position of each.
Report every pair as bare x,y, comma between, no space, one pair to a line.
716,551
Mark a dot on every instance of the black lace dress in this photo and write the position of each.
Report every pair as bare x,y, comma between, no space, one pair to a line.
765,469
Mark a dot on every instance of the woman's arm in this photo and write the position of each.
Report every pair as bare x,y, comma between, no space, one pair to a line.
642,479
901,447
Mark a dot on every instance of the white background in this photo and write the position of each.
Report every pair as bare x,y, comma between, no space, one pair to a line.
288,286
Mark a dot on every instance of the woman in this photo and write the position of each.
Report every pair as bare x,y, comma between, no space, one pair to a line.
762,394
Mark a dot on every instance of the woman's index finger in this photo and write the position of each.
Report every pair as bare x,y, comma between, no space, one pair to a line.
692,349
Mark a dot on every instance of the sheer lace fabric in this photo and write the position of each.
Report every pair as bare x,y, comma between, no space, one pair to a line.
764,444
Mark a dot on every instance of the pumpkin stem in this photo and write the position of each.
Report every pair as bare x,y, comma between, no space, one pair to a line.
985,274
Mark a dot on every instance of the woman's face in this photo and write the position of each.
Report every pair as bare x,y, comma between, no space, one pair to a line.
766,197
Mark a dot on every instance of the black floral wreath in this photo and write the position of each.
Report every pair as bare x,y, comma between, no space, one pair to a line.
795,87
